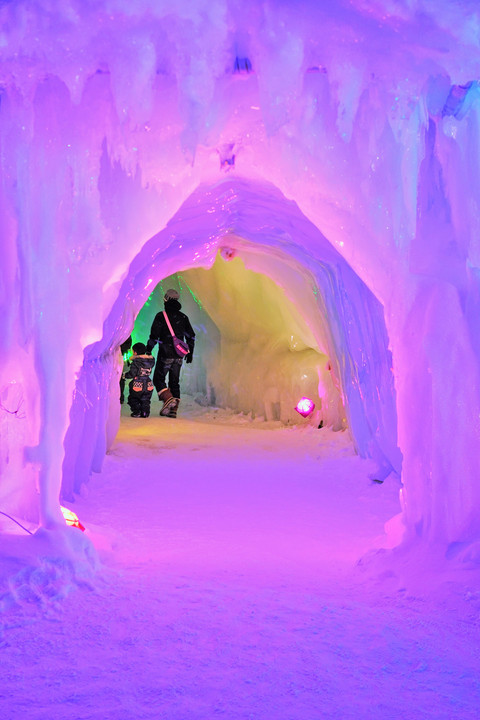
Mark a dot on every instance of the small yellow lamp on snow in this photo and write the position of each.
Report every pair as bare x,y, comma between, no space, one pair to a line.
71,518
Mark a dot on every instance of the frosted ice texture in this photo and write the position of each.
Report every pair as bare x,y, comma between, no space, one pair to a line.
364,114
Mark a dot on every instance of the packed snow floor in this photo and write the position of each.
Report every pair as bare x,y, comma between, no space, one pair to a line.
230,587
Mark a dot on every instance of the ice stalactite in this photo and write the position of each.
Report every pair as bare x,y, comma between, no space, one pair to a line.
439,345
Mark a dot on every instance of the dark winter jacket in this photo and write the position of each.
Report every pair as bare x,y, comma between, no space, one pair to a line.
161,334
140,367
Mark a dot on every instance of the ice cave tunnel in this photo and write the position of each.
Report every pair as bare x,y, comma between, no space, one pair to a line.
332,153
314,329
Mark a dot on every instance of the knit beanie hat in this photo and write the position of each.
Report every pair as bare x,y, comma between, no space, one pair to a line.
171,295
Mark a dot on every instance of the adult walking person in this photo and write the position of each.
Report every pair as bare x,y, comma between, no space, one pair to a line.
168,361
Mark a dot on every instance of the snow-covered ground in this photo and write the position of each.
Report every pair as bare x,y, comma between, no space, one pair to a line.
230,587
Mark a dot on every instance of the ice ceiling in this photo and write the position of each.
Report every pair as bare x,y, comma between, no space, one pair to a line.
333,146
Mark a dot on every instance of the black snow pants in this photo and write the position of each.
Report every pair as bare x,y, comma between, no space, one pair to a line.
170,367
140,395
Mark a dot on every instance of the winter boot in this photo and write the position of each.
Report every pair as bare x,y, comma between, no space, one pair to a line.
166,396
174,407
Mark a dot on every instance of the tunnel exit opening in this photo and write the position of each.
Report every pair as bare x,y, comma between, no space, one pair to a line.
257,351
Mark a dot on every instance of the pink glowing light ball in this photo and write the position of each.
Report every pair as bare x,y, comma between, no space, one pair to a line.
305,406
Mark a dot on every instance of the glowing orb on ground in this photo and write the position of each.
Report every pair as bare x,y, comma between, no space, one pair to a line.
305,406
71,518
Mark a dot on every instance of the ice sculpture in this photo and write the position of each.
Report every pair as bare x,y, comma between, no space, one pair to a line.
340,155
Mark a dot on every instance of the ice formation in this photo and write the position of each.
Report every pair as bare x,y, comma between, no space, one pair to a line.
331,147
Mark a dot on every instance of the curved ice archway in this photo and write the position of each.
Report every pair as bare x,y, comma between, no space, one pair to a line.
270,232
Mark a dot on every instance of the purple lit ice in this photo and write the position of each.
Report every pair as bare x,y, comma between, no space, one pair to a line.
306,174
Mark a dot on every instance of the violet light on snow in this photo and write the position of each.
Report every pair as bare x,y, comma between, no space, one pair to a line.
305,406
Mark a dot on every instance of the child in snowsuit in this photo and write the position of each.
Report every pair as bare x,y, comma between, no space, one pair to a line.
141,386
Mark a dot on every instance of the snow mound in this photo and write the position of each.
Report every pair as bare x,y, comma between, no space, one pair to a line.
37,572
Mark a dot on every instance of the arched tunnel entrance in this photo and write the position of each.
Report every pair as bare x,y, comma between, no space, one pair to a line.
255,352
336,316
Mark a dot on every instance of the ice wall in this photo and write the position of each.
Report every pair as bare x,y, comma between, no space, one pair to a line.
365,114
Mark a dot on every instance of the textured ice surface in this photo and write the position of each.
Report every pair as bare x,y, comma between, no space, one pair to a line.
366,115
